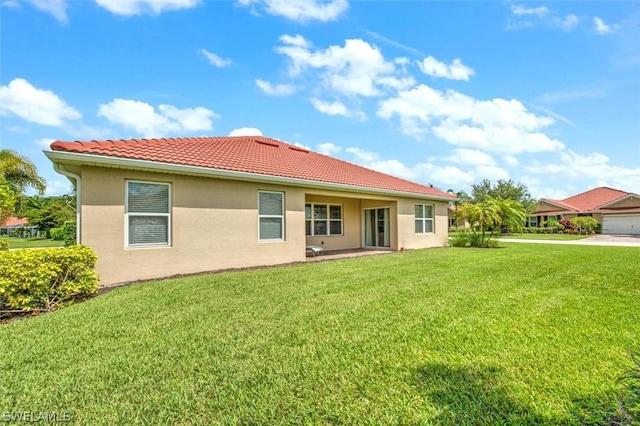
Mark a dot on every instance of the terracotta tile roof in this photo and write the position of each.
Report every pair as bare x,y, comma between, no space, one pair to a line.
591,200
250,154
14,221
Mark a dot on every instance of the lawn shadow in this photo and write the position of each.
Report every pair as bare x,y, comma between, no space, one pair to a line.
472,396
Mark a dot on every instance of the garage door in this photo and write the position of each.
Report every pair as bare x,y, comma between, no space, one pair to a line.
623,224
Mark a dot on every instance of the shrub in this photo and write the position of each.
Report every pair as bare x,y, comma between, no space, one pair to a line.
461,239
567,224
4,244
43,279
69,233
585,224
56,234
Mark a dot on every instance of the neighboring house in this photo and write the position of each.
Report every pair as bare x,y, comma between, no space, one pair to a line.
153,208
16,226
617,211
454,220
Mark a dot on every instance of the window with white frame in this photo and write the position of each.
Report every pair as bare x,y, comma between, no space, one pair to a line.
147,214
532,221
424,218
323,219
270,216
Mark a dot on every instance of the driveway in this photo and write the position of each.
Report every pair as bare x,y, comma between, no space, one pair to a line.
596,240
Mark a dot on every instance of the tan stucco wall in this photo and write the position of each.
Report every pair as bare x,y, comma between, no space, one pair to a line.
352,234
629,202
546,207
408,239
214,226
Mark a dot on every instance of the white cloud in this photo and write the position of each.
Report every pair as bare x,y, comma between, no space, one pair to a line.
456,71
355,69
470,157
301,10
40,106
426,172
140,7
491,173
328,148
528,17
336,108
591,91
601,28
144,119
569,22
275,90
58,187
520,10
594,166
215,60
496,125
12,4
56,8
246,131
44,142
396,44
511,160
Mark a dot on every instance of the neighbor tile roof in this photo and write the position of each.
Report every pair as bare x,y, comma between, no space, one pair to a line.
591,200
250,154
14,221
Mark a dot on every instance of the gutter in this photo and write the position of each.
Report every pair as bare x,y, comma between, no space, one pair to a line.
119,162
72,176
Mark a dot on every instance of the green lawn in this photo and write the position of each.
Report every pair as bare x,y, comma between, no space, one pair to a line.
543,236
525,334
32,242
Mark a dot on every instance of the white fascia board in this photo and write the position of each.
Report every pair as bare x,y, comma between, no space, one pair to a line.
128,163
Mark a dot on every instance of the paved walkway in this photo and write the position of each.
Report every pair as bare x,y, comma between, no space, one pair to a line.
596,240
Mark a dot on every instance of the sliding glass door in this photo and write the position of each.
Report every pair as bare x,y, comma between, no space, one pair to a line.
377,228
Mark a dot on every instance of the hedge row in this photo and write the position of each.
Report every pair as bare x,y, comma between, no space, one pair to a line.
43,279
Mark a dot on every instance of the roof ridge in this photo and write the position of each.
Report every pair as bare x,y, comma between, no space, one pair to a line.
243,154
595,189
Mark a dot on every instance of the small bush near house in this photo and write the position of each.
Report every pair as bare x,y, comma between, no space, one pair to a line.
585,224
568,226
44,279
69,233
56,234
460,240
4,244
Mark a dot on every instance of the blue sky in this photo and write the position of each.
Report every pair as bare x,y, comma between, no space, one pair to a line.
447,93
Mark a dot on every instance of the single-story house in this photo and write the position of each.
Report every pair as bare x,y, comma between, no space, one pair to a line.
153,208
16,226
617,211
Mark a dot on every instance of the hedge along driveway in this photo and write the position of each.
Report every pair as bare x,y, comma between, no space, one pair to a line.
526,334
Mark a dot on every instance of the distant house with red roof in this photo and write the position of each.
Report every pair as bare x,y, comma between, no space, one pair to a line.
15,225
617,211
152,208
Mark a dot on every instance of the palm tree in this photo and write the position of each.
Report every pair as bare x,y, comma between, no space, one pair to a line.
20,172
492,213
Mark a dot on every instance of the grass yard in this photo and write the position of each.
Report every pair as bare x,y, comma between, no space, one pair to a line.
525,334
15,243
565,237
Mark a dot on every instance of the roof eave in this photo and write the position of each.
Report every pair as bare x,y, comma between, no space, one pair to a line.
108,161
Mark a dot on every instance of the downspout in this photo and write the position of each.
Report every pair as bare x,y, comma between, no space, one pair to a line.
60,169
